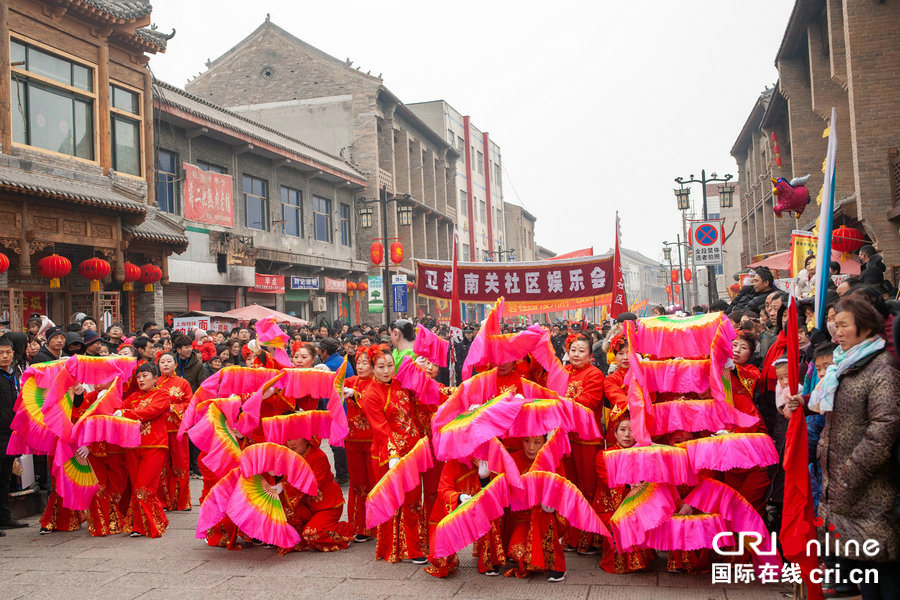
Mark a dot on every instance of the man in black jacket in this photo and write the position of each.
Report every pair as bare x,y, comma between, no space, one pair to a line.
9,389
753,296
462,351
872,269
52,348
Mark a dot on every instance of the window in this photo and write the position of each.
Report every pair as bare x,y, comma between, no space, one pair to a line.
498,224
497,170
480,164
322,216
464,203
166,174
345,224
205,166
255,205
52,102
482,211
461,145
292,211
465,252
125,129
451,137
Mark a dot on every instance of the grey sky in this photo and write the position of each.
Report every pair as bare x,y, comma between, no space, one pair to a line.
596,107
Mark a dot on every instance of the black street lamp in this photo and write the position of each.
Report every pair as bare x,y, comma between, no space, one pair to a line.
667,253
682,196
404,219
509,252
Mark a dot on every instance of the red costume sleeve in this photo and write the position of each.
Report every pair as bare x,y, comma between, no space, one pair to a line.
330,494
586,386
151,407
615,390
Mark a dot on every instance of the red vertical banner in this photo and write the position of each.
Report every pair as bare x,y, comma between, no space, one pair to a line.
33,302
619,302
455,314
132,319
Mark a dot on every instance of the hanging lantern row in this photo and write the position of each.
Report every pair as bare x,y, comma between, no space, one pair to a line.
410,285
396,253
4,263
94,269
777,149
351,287
54,267
362,286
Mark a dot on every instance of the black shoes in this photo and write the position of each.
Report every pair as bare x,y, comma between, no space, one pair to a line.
556,576
13,524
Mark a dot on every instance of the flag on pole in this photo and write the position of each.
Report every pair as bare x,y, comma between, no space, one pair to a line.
826,213
455,312
619,302
798,518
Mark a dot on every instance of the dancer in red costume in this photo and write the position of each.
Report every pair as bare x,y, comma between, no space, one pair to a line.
460,480
535,532
753,484
607,500
57,517
390,411
303,356
614,385
175,483
358,443
585,388
108,463
150,406
686,561
317,519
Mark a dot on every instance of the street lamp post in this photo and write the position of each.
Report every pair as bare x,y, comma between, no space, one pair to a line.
667,252
509,252
682,196
404,219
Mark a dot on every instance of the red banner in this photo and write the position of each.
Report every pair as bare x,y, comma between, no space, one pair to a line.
336,286
268,284
207,196
34,302
515,309
518,281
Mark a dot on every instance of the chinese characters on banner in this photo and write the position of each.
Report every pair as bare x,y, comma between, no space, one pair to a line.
335,286
398,293
268,284
207,196
706,242
304,283
34,302
803,244
376,294
518,282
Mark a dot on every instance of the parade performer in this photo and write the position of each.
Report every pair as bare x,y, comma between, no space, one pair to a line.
151,407
535,532
460,480
390,412
57,517
585,388
607,499
361,465
174,487
316,518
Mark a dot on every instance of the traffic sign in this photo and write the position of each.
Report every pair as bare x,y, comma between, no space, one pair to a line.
706,242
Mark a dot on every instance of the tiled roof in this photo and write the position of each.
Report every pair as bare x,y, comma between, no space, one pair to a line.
178,98
154,36
159,229
79,192
122,9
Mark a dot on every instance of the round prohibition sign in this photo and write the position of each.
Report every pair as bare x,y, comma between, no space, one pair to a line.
706,235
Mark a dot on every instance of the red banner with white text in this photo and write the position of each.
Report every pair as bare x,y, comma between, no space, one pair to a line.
586,277
207,196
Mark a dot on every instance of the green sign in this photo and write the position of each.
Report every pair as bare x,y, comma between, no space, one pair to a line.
376,294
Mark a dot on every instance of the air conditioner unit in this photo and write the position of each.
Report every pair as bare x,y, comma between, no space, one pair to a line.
320,304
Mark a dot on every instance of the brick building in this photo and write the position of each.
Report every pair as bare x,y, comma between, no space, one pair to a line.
479,182
76,157
520,232
834,53
268,217
277,79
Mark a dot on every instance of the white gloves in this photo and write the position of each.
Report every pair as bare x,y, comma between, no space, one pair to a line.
393,462
237,434
729,364
83,452
254,346
118,413
463,498
473,406
278,487
348,392
547,509
421,361
322,367
483,470
269,392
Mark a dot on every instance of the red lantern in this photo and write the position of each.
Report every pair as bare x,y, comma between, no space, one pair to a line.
132,274
351,286
4,263
687,274
54,267
94,269
150,274
376,253
396,253
410,285
677,289
362,286
674,275
847,239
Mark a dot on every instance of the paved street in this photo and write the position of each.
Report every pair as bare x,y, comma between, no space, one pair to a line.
60,566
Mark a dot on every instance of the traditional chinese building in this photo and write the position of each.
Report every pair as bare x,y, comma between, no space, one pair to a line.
76,160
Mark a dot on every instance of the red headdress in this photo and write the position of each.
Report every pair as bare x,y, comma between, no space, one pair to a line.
373,351
577,336
617,342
